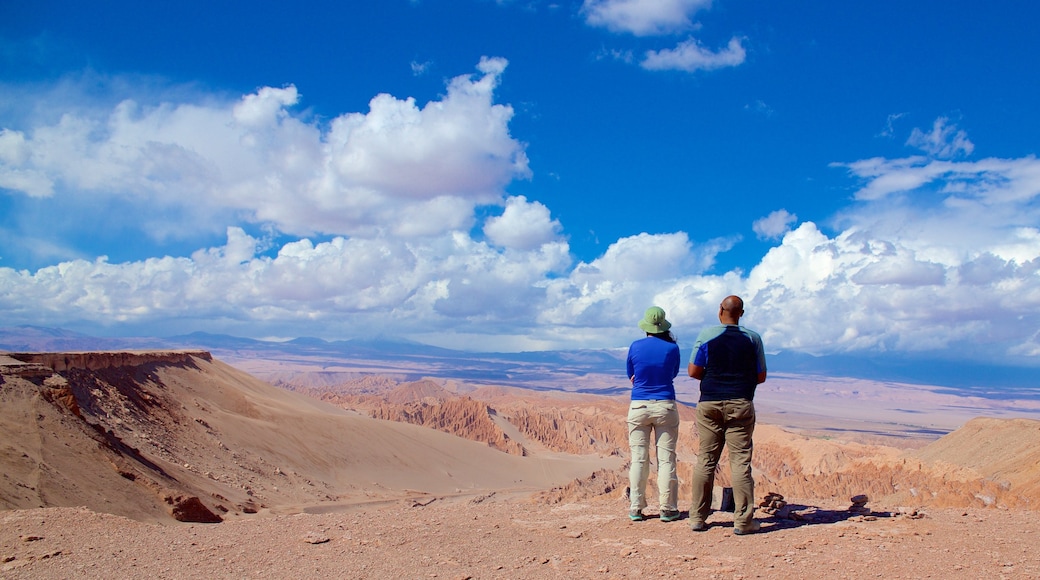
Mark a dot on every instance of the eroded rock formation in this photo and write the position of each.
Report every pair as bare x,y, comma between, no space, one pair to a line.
988,462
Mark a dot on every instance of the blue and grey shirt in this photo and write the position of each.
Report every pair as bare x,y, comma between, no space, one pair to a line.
732,357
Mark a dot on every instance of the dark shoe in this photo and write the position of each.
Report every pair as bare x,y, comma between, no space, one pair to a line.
636,515
754,527
698,526
669,515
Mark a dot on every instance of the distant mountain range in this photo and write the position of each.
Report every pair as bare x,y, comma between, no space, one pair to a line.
990,381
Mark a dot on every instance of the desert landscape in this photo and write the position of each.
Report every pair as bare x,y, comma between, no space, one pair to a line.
182,464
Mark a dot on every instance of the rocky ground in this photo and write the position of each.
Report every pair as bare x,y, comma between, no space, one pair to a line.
518,538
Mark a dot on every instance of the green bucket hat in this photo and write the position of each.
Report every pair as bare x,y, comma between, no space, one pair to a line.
653,321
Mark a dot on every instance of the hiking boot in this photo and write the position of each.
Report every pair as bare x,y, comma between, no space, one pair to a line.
698,526
669,515
754,527
636,515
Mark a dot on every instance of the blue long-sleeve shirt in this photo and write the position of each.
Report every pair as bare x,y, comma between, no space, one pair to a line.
653,364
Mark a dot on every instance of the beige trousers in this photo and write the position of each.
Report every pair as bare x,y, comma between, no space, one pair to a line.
731,423
662,417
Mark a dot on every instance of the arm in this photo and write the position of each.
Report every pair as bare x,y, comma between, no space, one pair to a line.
761,355
697,371
698,360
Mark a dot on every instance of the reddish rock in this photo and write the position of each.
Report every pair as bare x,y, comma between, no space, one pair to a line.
191,509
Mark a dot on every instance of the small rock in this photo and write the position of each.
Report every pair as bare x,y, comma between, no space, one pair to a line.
315,538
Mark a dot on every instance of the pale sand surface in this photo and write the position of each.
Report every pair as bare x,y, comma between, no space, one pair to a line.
509,539
876,410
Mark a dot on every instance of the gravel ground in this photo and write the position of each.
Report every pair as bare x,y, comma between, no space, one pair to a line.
494,538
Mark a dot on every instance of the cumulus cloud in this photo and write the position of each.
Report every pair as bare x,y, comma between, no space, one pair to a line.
936,254
253,158
859,291
601,300
933,254
642,17
523,225
774,225
690,56
304,285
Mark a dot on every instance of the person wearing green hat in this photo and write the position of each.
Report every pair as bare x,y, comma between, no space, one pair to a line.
653,363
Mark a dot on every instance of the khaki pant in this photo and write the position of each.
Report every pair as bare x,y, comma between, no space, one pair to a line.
731,423
661,416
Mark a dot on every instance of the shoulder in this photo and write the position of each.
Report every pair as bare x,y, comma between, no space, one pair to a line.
754,336
641,344
708,334
711,332
750,333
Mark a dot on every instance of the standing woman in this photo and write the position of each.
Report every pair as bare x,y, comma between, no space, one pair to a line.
653,363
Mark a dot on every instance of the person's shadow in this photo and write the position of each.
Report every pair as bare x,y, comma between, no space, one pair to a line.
795,516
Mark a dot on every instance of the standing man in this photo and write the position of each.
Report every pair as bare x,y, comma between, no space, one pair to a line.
730,362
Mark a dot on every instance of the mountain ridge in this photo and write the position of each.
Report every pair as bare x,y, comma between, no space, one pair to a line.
988,381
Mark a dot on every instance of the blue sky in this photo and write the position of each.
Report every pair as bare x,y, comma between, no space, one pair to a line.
526,175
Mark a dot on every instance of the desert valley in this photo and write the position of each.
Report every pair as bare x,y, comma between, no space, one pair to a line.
179,464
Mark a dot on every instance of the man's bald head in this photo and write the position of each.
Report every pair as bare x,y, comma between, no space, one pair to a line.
731,309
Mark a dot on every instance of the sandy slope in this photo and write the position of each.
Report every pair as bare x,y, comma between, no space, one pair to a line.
123,439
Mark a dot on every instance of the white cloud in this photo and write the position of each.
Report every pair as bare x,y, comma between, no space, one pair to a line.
661,17
312,287
600,301
459,146
420,68
642,17
15,154
901,270
944,141
857,292
644,257
987,182
890,123
774,225
690,56
413,170
523,225
265,106
934,254
937,254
